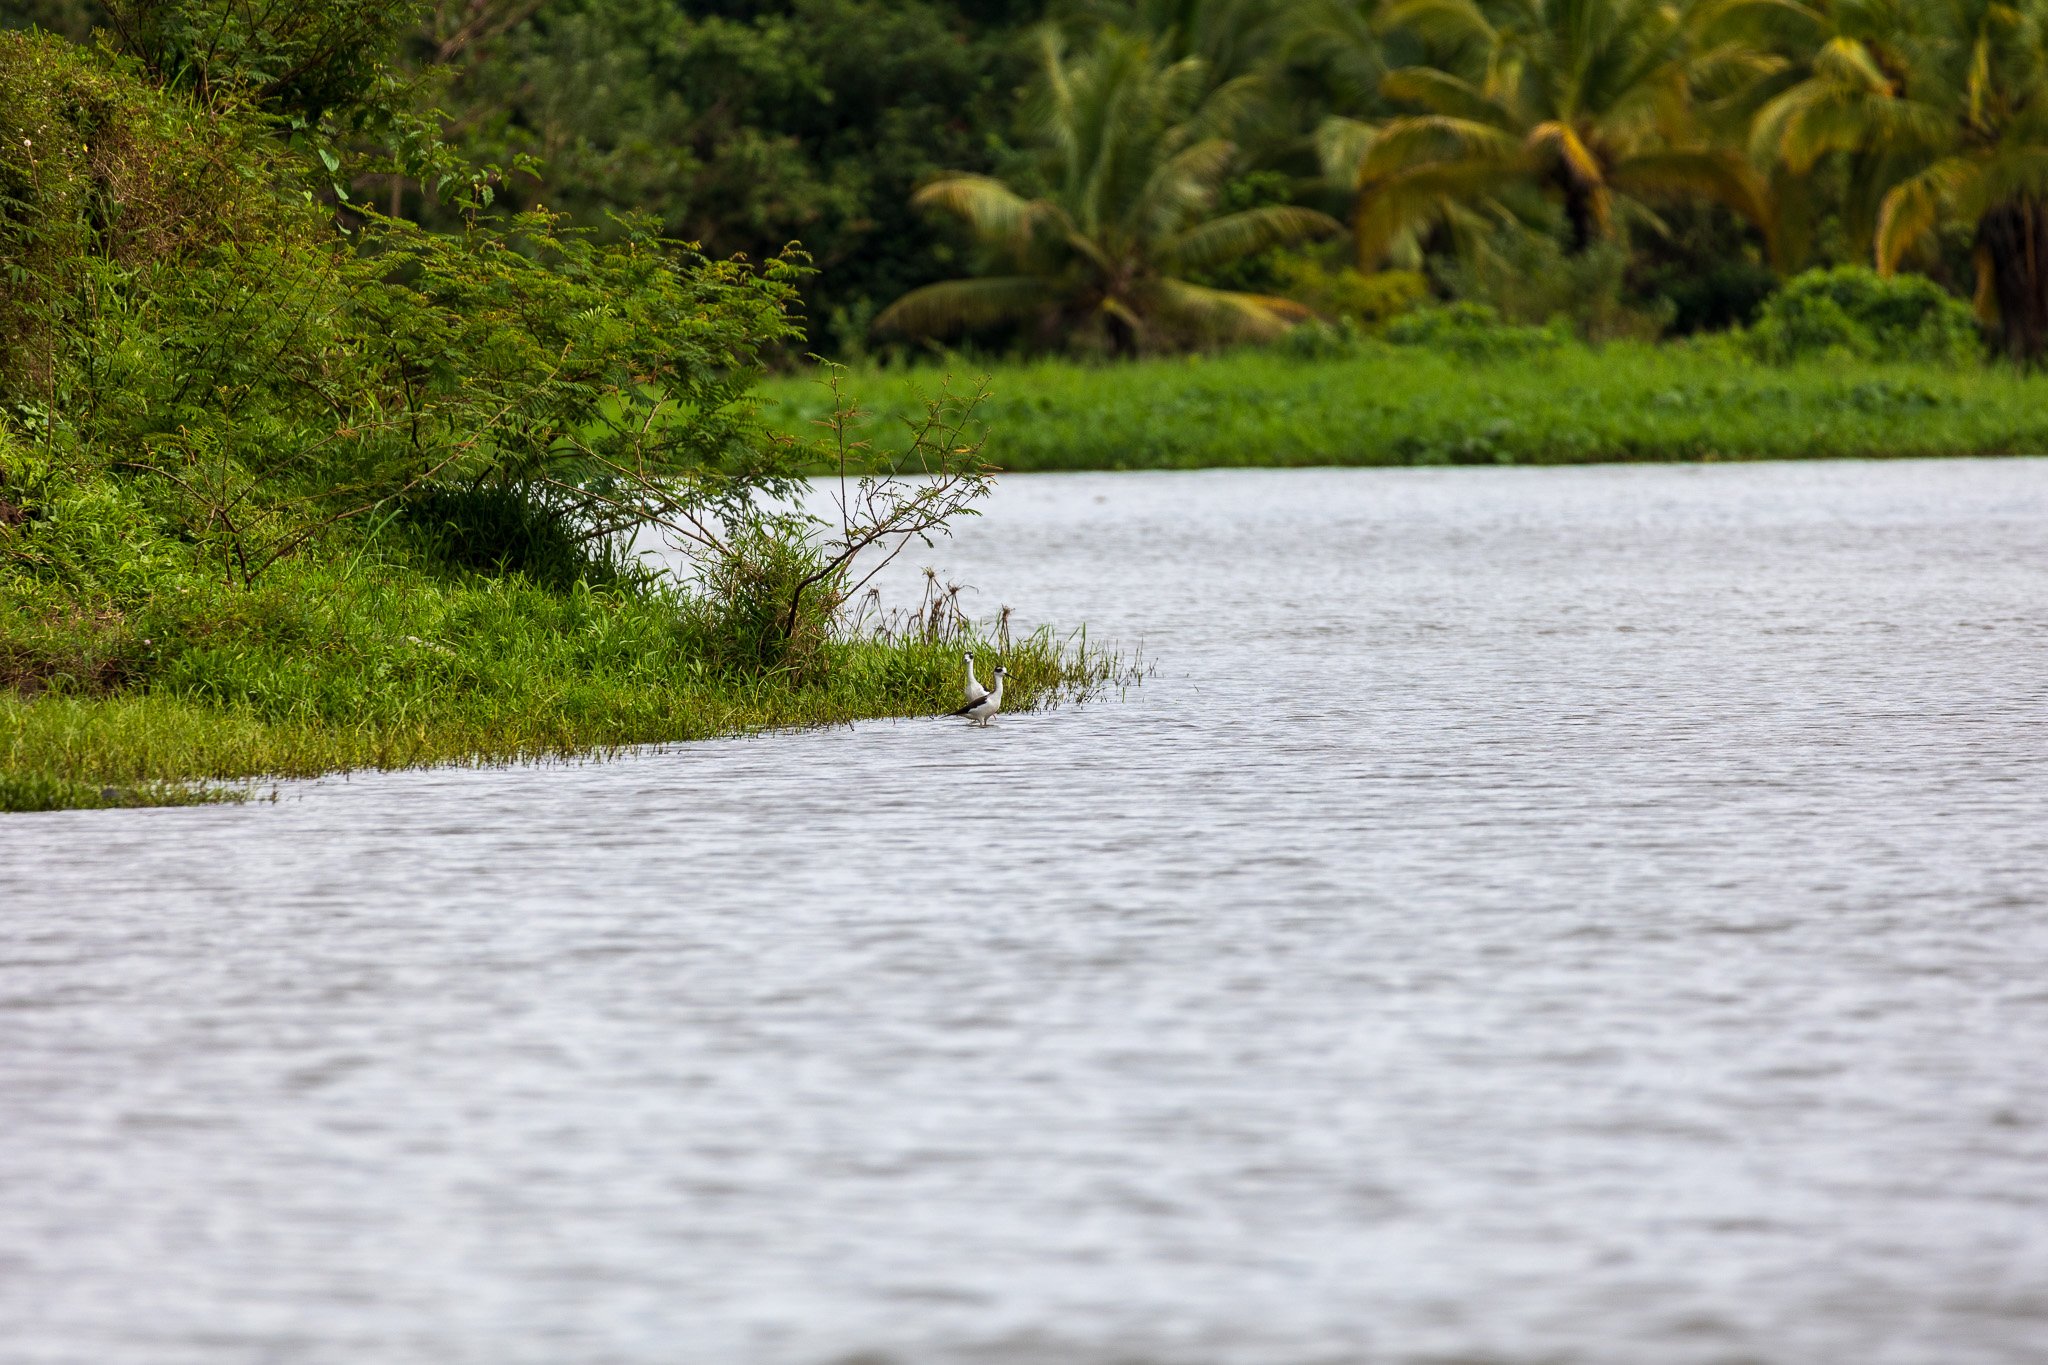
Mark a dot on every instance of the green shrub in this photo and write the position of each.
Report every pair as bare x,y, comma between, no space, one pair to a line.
771,601
1531,280
300,58
500,530
1316,340
1345,294
1853,310
186,318
1474,331
99,166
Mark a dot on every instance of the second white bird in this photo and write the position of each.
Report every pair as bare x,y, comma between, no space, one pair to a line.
983,711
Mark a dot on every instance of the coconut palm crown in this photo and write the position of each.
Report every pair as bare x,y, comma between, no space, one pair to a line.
1135,148
1585,100
1942,108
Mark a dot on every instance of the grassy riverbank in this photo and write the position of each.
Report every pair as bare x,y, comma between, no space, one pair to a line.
179,692
1376,404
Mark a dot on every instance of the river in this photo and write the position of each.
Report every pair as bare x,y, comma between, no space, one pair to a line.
1533,917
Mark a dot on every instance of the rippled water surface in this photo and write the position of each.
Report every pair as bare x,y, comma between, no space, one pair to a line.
1531,916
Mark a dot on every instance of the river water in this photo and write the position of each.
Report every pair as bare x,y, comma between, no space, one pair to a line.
1593,915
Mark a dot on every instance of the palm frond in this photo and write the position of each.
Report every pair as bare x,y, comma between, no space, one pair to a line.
1441,92
1731,71
1711,173
1197,313
1760,22
993,211
1181,189
1341,148
1409,142
1227,108
1448,23
1237,235
1562,141
1405,203
1849,63
1336,41
2006,173
1913,208
958,305
1820,116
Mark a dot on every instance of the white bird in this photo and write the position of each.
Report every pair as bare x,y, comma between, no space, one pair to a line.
974,690
983,711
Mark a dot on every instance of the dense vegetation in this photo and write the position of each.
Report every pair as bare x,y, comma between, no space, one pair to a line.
1130,175
1839,363
281,492
1457,393
740,127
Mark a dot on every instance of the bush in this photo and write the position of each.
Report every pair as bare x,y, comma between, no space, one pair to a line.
1346,294
96,165
1474,331
498,531
298,58
207,378
1853,310
772,599
1529,279
186,321
1316,340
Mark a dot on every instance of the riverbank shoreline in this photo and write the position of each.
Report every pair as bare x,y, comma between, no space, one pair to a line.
1383,405
186,689
143,748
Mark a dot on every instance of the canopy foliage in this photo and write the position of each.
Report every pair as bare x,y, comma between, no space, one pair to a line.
930,154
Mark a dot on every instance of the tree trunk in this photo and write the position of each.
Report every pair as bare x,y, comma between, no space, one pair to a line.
1579,212
2013,241
1123,338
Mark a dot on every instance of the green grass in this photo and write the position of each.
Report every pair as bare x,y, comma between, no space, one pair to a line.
1379,404
197,692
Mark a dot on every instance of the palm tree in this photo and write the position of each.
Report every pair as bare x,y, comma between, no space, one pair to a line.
1393,188
1135,148
1746,54
1404,176
1943,107
1588,101
1234,37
